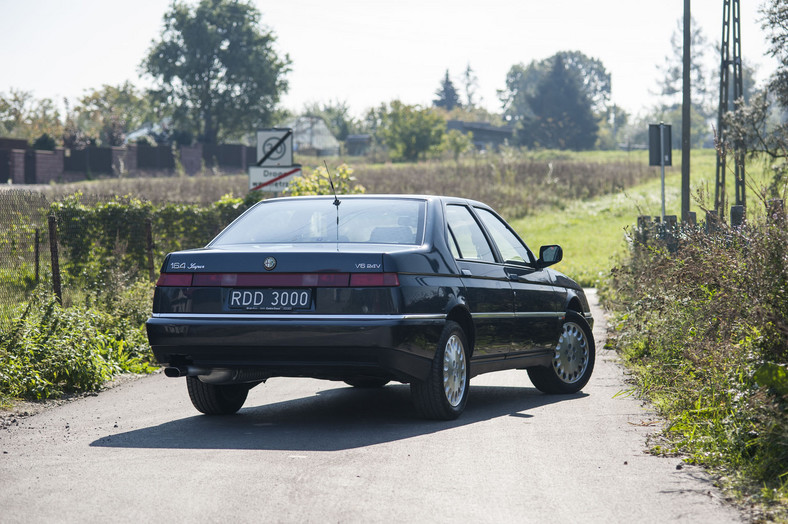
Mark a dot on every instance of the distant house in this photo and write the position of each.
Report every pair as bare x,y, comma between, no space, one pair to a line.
484,134
311,136
358,145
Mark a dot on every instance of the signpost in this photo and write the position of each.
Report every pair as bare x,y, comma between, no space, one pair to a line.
275,167
660,152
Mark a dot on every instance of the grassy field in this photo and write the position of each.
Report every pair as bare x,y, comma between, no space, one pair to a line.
584,201
593,231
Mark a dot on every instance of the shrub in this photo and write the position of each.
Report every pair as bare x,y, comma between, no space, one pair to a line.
705,330
317,182
51,351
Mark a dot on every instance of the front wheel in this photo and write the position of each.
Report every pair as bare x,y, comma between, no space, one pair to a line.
216,399
573,360
445,392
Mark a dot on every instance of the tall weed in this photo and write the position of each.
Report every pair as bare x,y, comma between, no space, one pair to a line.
50,351
705,329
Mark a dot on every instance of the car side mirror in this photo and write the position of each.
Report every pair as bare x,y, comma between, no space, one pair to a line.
549,255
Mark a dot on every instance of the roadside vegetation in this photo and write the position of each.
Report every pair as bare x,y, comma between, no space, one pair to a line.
702,327
705,331
46,352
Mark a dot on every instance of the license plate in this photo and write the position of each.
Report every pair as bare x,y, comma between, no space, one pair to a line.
269,299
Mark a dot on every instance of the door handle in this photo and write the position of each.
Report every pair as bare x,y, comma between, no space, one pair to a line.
467,272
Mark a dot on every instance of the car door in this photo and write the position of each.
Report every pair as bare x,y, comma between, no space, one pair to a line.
488,291
538,303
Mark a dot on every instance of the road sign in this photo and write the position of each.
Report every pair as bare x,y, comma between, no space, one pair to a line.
277,144
660,146
273,179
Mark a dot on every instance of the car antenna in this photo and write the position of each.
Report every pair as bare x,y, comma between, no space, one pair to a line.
336,198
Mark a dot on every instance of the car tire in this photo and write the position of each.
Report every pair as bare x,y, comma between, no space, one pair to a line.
573,360
216,399
367,382
445,392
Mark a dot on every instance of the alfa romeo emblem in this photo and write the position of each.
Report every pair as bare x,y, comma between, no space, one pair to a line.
269,263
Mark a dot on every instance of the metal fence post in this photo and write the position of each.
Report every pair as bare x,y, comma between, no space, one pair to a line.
149,236
38,253
55,260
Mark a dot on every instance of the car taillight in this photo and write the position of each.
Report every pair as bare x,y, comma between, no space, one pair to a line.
278,280
272,279
374,279
175,280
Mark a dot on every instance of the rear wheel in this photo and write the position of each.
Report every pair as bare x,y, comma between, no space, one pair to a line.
216,399
573,360
445,392
367,382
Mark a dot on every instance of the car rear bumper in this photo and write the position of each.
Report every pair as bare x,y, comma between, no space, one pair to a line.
400,347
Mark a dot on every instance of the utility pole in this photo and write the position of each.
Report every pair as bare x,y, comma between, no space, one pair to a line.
731,10
686,104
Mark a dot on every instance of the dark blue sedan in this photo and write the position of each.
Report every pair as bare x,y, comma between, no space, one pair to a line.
424,290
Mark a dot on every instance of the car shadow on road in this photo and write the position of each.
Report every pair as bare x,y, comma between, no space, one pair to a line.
335,419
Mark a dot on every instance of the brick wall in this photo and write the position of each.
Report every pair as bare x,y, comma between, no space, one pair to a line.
17,166
49,166
120,160
191,159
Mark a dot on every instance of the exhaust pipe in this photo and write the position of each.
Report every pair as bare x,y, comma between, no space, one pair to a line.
217,375
175,372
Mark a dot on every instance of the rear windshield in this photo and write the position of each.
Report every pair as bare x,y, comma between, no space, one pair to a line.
369,220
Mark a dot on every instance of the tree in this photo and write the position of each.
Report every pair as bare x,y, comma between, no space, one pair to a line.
671,71
216,66
23,116
561,108
522,82
470,84
114,111
336,115
457,143
408,131
704,78
612,127
447,95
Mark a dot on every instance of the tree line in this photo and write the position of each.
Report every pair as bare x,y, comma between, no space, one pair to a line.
217,78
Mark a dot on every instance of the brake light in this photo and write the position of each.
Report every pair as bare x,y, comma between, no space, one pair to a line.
374,279
271,279
278,279
175,280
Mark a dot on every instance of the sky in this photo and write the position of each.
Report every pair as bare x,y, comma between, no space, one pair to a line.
365,52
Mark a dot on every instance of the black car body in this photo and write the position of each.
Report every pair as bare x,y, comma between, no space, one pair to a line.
366,289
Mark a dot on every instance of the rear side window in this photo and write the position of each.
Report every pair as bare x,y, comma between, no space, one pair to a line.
469,243
510,247
373,220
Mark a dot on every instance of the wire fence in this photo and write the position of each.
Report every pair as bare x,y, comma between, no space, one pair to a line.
24,248
92,244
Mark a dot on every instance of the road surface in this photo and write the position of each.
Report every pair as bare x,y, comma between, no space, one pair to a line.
304,450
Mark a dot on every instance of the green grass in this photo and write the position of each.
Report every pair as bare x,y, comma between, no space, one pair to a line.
592,232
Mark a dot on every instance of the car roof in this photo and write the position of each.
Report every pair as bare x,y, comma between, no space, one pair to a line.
429,198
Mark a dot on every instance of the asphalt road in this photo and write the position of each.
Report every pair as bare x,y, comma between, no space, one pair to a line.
313,451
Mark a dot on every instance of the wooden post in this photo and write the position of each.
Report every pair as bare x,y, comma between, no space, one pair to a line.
55,259
737,216
149,236
644,229
712,222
